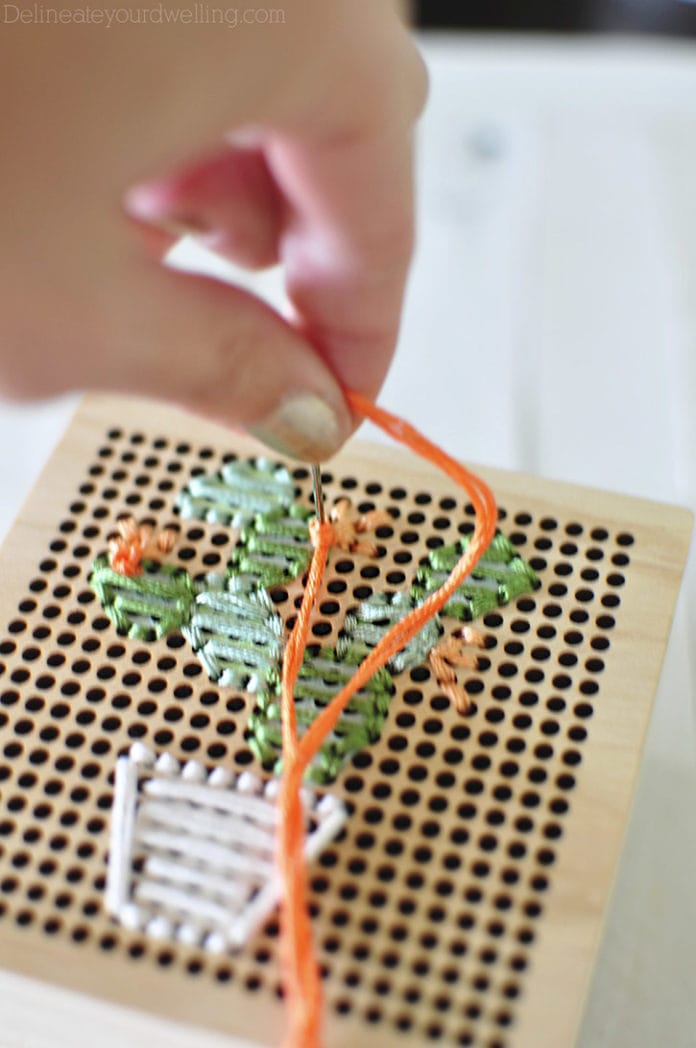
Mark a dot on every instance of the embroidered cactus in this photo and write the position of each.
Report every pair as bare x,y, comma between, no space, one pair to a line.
321,676
237,493
274,547
374,616
237,634
500,576
145,606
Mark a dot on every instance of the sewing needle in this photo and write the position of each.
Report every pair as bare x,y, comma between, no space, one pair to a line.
318,492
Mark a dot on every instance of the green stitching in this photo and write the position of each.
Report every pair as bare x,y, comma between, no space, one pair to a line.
500,576
237,635
374,616
274,547
239,491
145,606
320,678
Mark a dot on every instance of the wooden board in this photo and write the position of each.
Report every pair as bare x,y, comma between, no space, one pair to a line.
464,902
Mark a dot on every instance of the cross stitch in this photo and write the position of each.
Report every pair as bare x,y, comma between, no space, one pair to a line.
321,674
148,605
151,690
191,851
331,703
236,633
273,547
237,493
500,576
135,543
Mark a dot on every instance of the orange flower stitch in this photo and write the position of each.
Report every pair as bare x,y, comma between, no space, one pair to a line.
136,543
346,529
449,654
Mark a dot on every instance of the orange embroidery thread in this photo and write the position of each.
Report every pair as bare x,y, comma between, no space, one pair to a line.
346,529
446,656
302,981
136,543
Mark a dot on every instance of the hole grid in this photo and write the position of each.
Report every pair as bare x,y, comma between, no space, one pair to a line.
428,906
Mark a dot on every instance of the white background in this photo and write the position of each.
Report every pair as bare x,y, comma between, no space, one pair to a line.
558,244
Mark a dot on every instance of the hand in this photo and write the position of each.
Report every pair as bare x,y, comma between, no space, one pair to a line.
286,142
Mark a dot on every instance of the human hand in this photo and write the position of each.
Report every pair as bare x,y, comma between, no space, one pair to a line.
284,142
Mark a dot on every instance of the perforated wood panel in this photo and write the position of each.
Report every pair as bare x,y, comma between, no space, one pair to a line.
463,903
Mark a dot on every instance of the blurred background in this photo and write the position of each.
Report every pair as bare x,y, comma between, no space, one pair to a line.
662,16
552,317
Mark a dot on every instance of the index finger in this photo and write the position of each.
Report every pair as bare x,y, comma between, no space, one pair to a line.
346,245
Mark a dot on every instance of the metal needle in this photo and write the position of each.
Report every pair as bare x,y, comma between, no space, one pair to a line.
318,493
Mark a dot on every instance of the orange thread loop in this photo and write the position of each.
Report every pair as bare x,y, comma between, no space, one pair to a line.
302,985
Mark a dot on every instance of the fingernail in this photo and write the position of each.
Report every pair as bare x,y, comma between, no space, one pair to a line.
150,204
304,427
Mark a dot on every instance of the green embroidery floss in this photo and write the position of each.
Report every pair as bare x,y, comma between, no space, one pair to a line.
500,576
237,493
321,676
374,616
274,547
237,635
146,606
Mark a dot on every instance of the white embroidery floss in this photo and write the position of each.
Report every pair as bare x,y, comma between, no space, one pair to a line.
191,855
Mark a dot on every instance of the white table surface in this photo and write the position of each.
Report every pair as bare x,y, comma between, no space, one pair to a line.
558,240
